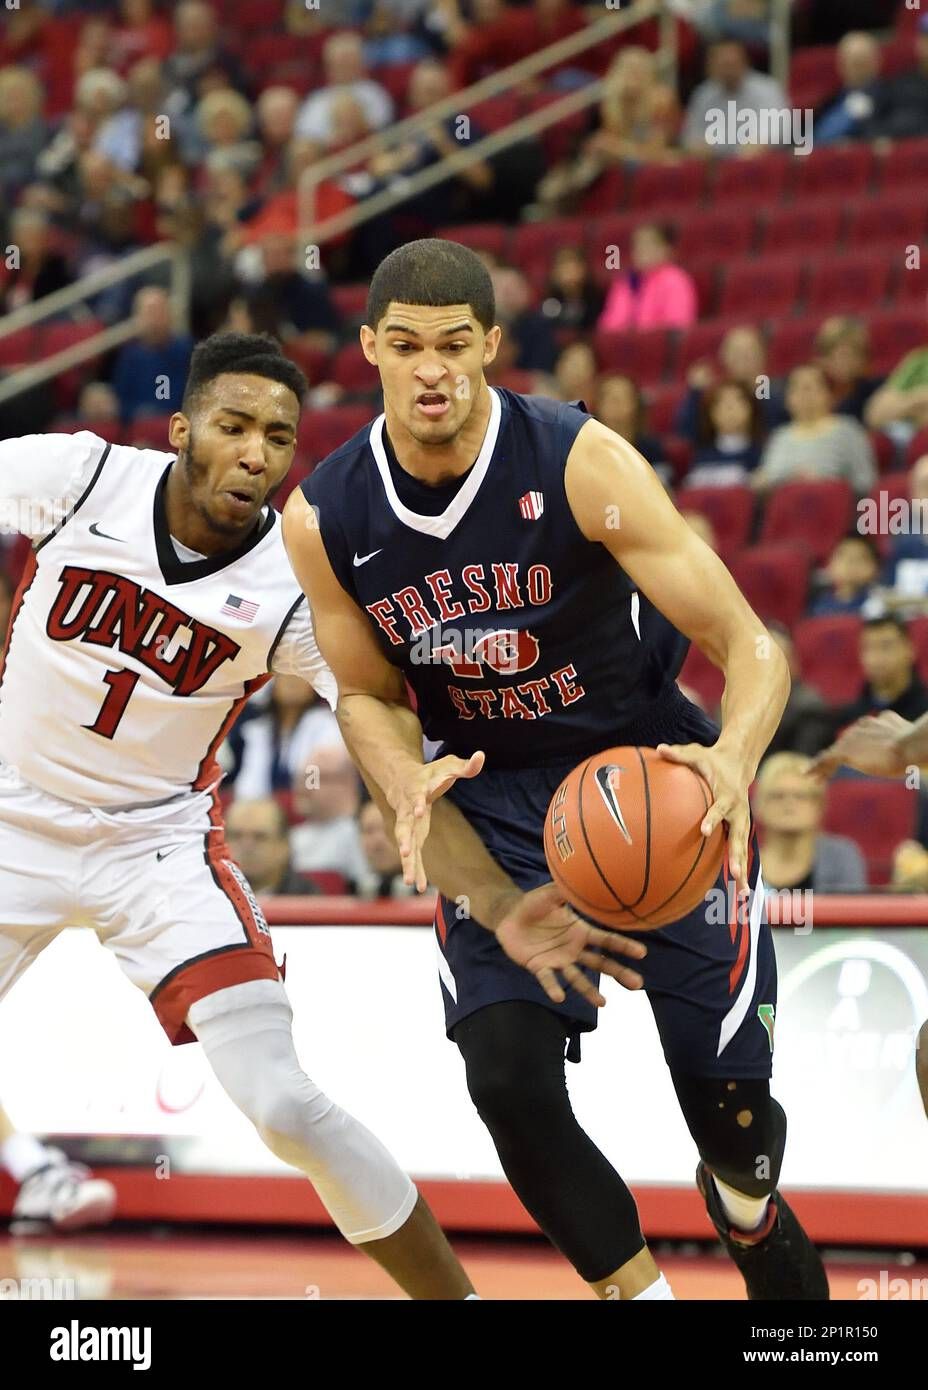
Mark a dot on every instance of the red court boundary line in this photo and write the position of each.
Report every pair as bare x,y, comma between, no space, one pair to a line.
851,1217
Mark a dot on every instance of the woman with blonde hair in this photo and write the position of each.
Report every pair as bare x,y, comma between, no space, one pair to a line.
795,852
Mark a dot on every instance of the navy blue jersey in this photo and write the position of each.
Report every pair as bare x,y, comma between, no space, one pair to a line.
516,633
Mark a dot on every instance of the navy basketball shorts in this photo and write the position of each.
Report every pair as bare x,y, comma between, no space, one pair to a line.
710,977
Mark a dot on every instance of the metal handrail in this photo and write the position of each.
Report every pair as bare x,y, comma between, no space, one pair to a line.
497,82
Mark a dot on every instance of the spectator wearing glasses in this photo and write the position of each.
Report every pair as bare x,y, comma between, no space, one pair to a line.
796,852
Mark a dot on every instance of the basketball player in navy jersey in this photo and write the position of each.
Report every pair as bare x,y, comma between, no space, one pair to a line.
488,548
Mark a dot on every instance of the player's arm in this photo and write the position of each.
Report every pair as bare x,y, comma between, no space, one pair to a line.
42,476
618,500
883,745
383,734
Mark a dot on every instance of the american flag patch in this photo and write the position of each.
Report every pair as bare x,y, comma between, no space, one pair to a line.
531,505
235,607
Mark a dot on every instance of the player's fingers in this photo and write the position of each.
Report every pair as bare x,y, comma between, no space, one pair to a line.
823,765
738,831
583,985
715,815
616,942
681,752
548,981
613,968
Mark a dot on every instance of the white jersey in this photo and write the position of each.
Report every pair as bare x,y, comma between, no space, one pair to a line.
126,666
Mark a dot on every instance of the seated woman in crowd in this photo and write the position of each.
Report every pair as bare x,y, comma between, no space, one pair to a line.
817,443
731,429
797,854
571,298
655,293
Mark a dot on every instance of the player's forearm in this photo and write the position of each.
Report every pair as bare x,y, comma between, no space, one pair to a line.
385,739
757,685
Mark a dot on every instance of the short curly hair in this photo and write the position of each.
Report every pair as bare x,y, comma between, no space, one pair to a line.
251,354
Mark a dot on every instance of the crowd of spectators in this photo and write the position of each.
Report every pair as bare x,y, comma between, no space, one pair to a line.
128,122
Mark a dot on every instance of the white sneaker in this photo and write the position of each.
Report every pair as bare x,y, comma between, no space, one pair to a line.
62,1196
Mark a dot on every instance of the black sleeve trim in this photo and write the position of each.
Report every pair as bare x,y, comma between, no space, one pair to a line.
79,503
283,628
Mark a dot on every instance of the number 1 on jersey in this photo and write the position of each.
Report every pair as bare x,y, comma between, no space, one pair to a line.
121,685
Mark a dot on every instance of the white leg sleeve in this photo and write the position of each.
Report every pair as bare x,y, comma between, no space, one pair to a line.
246,1035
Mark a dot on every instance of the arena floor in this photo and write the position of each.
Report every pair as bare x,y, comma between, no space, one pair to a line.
167,1263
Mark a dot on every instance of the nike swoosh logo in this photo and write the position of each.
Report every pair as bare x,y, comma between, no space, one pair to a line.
103,535
363,559
608,793
163,853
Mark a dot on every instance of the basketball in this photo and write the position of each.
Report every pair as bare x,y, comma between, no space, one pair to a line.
623,842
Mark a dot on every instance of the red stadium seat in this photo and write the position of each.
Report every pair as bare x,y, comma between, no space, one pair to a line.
851,282
328,881
262,15
110,430
791,344
350,302
910,287
917,446
774,579
19,348
884,450
758,181
395,78
891,486
763,288
705,278
559,139
523,383
149,432
700,343
723,235
803,227
322,431
905,166
479,236
313,361
899,219
641,355
678,452
828,650
918,630
655,185
843,170
496,112
534,243
894,332
813,71
607,194
663,403
813,514
876,815
730,510
351,369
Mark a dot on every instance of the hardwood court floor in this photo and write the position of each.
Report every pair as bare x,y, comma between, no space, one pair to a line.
172,1263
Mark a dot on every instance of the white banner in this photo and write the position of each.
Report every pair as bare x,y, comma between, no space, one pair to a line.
83,1054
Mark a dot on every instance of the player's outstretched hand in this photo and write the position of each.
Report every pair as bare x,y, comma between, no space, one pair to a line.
544,935
872,744
729,788
411,797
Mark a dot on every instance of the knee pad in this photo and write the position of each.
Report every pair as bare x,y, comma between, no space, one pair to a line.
738,1128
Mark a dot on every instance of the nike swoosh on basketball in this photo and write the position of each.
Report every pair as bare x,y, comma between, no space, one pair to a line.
103,535
607,790
363,559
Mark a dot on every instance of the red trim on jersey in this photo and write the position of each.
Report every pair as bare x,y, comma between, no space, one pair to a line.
440,923
28,575
208,768
236,966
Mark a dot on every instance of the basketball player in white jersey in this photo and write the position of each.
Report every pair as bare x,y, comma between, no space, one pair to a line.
157,598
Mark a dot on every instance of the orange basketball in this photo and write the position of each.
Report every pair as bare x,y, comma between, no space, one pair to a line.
623,843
